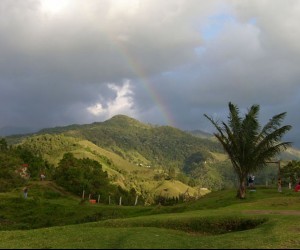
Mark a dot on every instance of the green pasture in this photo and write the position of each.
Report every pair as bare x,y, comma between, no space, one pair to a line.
51,218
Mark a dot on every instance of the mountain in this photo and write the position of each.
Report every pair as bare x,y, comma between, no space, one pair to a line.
139,143
135,155
146,180
149,158
290,153
11,130
201,134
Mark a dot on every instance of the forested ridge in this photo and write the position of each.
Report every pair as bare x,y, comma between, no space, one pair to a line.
145,158
160,145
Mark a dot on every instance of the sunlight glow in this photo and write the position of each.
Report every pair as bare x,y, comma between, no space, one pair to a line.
125,6
54,6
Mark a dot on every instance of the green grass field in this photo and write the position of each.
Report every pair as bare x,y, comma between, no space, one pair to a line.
51,218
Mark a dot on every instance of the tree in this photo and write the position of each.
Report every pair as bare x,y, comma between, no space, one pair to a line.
248,146
207,176
9,176
36,164
291,172
3,145
77,174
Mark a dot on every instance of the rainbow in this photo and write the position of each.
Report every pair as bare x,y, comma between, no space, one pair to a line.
137,69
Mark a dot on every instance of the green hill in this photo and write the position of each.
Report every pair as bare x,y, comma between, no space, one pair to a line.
158,146
121,172
141,156
133,153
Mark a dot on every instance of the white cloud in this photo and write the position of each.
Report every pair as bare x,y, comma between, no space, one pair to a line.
122,103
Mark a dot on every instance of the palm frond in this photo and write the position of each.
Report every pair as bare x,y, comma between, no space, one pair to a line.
246,144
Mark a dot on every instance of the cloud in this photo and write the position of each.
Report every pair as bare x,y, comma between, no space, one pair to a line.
66,63
121,104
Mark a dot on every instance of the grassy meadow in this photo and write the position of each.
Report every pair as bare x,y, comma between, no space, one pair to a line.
52,218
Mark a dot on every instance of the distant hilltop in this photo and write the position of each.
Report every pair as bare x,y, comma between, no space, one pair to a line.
13,130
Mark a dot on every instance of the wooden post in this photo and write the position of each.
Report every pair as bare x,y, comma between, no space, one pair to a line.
120,202
136,200
83,194
89,196
98,198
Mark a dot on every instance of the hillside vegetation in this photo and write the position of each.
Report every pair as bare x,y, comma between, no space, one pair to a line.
157,146
144,157
120,184
121,172
135,155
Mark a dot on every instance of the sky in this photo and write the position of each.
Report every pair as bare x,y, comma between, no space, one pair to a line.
164,62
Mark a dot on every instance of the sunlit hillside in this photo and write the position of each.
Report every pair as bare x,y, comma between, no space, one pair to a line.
153,160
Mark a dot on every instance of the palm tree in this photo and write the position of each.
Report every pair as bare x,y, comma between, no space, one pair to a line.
248,146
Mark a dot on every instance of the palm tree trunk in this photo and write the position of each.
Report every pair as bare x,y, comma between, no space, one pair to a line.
241,192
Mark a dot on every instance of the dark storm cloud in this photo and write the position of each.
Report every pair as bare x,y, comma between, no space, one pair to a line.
84,61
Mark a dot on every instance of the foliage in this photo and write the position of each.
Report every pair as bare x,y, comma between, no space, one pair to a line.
49,146
124,146
3,145
17,165
249,147
192,162
49,205
159,145
139,144
226,173
207,176
76,175
36,164
9,175
291,172
182,178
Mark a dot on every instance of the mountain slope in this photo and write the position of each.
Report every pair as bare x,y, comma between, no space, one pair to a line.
121,172
141,156
160,146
